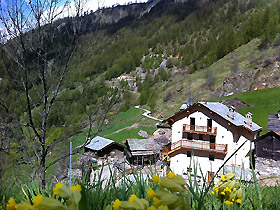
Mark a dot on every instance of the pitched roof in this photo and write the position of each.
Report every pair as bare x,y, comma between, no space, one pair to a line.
222,110
143,146
269,133
273,122
98,143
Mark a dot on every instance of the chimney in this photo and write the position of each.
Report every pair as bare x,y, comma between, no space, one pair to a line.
183,107
278,114
249,119
231,112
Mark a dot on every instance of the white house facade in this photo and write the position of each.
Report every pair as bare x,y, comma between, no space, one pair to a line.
208,133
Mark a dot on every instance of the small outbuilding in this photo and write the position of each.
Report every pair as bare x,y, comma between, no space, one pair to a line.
143,151
102,146
268,145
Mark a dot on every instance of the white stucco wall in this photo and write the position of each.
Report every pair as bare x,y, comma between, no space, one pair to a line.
180,162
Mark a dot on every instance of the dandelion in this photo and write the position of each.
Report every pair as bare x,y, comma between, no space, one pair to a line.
238,201
132,198
223,177
11,205
116,204
171,175
55,189
150,194
228,202
155,179
37,200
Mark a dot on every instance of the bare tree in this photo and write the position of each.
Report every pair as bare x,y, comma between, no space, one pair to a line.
38,52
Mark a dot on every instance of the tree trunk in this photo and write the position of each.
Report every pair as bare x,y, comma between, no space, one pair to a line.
43,172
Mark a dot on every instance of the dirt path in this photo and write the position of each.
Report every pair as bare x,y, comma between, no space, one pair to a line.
135,125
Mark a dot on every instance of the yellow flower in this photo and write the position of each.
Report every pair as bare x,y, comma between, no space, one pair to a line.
55,189
222,193
171,175
77,187
11,205
216,189
213,192
163,207
238,201
37,200
116,204
156,201
223,177
228,190
228,202
152,208
150,194
132,198
155,179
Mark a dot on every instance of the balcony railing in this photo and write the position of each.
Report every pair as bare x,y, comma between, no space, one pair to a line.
200,129
199,145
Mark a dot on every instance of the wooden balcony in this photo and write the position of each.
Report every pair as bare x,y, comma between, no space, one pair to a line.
200,129
199,145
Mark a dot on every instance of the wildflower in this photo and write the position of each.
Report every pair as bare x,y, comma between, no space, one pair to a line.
55,189
116,204
155,179
228,190
222,193
171,185
238,200
223,177
171,175
212,192
11,205
228,202
156,201
132,198
37,200
216,189
163,207
77,187
150,194
152,208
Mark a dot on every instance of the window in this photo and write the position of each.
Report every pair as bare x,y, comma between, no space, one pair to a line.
212,139
200,137
189,153
212,157
190,136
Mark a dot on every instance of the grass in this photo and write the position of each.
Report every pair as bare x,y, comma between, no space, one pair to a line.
120,128
99,195
261,103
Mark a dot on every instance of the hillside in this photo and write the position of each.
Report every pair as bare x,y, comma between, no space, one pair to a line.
157,55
